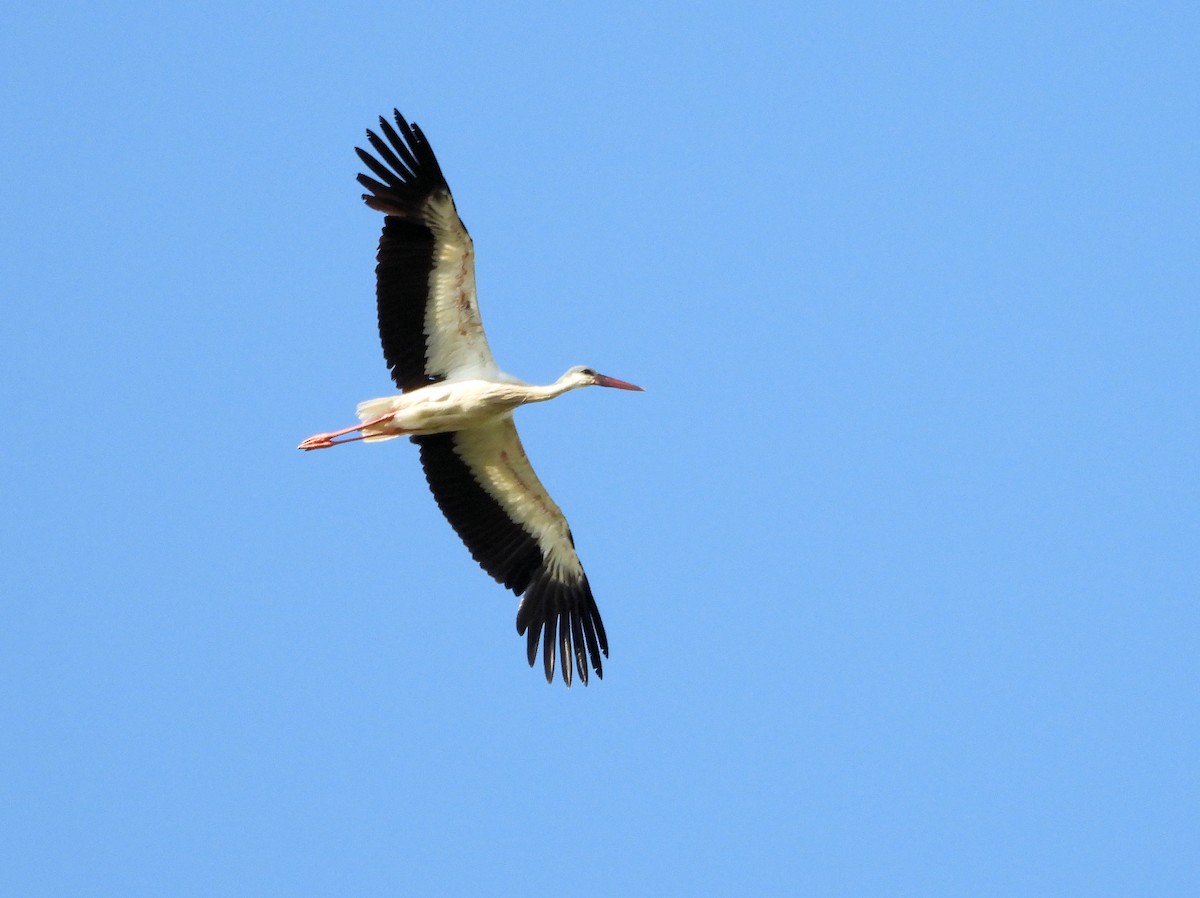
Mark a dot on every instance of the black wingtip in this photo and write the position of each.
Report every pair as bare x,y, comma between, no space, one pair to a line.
563,618
404,167
548,643
531,644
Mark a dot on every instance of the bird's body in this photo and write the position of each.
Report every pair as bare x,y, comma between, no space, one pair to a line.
438,408
454,404
457,405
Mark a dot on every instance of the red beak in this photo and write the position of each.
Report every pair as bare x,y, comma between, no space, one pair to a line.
603,380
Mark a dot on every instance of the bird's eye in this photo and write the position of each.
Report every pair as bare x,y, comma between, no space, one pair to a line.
589,372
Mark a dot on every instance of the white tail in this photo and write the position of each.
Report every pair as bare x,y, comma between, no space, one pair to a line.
374,408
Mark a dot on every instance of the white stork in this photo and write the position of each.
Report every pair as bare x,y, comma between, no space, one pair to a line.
457,405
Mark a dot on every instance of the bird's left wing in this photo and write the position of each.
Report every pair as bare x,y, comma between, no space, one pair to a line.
425,281
487,489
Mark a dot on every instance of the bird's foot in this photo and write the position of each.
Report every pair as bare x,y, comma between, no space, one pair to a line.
317,441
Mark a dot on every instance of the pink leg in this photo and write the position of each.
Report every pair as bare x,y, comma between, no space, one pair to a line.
325,440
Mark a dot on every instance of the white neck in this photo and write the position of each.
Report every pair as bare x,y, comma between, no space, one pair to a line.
540,392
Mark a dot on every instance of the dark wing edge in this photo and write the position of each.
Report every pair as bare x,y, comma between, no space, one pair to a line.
561,613
407,176
407,168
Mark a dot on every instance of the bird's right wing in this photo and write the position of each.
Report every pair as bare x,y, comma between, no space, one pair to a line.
488,491
425,281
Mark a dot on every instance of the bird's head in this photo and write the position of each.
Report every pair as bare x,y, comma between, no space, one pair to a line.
581,376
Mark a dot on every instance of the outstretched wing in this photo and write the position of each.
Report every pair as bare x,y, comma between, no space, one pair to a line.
425,280
485,486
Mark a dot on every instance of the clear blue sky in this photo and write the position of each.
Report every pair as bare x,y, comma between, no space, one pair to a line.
897,553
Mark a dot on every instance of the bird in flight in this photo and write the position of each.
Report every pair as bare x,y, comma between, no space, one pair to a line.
457,405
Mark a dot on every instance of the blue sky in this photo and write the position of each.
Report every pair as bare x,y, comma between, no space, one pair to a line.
897,553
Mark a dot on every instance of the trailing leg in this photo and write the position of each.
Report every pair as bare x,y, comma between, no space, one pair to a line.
325,440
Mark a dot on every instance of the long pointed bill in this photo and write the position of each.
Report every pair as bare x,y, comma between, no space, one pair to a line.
603,380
